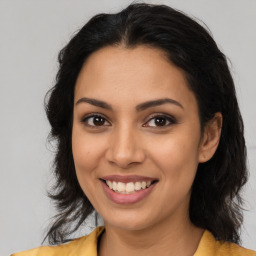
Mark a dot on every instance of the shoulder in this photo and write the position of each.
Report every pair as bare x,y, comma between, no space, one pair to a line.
86,245
227,248
211,247
235,250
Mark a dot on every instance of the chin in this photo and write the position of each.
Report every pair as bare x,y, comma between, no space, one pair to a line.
129,226
129,221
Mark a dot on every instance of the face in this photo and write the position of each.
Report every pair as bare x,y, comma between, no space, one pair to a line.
136,137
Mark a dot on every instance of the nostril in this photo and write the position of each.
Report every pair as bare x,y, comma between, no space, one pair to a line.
124,156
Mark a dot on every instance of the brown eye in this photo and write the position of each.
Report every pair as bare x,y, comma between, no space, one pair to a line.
95,120
160,121
98,120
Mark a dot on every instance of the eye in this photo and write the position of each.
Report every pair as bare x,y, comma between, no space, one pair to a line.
95,121
160,121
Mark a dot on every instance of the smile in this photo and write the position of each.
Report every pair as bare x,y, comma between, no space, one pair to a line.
127,189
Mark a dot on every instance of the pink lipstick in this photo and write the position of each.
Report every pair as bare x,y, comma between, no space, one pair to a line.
127,189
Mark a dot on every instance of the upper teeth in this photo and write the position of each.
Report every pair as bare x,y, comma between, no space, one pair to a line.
130,187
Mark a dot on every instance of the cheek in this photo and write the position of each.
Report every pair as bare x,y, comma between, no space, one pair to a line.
86,154
82,156
177,156
176,148
86,151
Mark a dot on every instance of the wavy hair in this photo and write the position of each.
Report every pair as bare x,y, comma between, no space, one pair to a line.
215,202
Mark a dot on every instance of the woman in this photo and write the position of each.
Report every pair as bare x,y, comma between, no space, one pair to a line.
149,135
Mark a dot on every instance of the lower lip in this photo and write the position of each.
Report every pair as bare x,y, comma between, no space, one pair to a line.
127,198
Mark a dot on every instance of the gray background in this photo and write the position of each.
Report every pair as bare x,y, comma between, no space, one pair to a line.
32,33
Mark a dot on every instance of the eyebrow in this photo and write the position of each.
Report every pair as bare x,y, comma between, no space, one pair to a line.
94,102
140,107
158,102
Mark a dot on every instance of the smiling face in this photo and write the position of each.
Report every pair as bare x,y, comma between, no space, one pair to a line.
135,127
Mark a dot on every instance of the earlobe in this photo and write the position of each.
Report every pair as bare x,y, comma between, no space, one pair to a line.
211,138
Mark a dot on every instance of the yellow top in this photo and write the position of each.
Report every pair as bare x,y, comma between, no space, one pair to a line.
87,246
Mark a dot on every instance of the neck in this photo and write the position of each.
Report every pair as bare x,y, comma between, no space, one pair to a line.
179,239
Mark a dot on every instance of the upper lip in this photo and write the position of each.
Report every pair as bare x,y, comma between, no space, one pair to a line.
127,178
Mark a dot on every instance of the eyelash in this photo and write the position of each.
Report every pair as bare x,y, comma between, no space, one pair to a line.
169,119
93,115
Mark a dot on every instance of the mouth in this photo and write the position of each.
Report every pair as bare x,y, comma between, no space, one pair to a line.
128,187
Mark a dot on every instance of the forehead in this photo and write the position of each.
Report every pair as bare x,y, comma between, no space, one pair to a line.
117,73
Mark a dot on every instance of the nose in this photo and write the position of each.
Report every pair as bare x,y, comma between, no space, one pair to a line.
125,148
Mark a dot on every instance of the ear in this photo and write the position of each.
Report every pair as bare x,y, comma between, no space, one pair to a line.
210,139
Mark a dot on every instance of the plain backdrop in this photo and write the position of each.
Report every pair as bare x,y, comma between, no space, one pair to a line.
31,34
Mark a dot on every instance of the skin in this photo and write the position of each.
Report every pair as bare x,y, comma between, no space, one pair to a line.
129,142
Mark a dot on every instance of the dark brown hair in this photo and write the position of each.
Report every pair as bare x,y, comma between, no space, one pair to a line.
215,202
